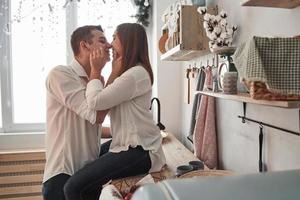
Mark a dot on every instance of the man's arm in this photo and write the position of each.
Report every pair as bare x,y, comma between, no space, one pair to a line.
101,116
68,91
95,74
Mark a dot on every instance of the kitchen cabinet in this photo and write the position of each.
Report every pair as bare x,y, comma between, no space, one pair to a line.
273,3
190,40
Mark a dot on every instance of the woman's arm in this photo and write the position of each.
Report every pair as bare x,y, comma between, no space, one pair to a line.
97,62
119,88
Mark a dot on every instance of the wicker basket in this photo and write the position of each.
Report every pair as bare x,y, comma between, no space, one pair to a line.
258,90
124,185
207,173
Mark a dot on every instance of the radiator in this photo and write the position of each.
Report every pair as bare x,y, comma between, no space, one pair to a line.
21,174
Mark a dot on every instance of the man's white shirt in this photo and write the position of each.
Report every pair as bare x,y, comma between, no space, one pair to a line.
72,138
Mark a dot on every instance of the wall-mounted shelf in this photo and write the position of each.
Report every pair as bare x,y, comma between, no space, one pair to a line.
244,97
178,53
190,41
273,3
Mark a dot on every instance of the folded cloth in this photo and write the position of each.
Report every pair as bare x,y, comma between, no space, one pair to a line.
274,61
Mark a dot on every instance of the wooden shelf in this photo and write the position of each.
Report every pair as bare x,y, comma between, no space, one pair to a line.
190,41
178,53
273,3
244,97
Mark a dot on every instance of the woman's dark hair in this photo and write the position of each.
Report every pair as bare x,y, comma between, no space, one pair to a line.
83,33
134,42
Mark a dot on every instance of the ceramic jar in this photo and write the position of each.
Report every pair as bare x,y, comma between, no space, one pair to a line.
230,82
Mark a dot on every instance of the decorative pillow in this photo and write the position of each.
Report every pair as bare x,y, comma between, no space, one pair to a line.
110,192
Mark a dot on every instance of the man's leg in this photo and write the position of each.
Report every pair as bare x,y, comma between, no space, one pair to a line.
53,188
105,147
87,182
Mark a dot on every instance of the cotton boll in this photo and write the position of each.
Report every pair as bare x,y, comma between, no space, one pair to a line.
223,14
234,28
230,32
223,22
218,18
211,36
201,10
215,46
229,40
207,17
219,40
217,30
223,35
205,24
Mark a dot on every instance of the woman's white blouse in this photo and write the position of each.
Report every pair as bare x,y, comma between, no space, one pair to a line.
128,99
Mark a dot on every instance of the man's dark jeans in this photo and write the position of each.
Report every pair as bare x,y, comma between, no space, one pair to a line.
53,188
87,182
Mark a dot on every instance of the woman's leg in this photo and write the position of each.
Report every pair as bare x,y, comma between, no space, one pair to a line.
105,147
87,182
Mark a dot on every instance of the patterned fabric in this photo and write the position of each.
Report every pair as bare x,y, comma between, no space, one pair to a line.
124,185
205,136
275,61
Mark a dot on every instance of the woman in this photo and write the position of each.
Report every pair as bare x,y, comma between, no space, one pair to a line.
136,145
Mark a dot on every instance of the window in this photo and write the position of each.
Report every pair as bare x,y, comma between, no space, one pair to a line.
0,110
35,37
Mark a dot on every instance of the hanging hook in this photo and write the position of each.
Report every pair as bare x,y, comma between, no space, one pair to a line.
261,137
201,66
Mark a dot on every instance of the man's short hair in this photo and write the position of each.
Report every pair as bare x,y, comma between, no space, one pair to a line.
83,33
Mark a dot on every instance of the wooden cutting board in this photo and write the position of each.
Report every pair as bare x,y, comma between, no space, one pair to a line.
162,42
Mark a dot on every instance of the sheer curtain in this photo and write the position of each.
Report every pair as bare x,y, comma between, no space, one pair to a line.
35,37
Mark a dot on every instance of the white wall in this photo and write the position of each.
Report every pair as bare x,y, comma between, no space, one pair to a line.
167,76
238,142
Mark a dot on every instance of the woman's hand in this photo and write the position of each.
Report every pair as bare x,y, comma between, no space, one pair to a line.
97,59
97,62
117,67
116,71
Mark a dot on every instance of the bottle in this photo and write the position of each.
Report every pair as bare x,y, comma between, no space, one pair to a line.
215,85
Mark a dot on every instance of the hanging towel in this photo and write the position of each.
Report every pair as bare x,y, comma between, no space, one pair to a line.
196,102
205,138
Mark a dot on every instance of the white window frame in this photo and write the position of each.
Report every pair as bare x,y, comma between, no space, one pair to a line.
8,126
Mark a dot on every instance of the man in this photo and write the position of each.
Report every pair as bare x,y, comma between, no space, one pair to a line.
72,138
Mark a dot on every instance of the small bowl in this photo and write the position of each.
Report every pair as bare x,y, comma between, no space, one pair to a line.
182,169
196,164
